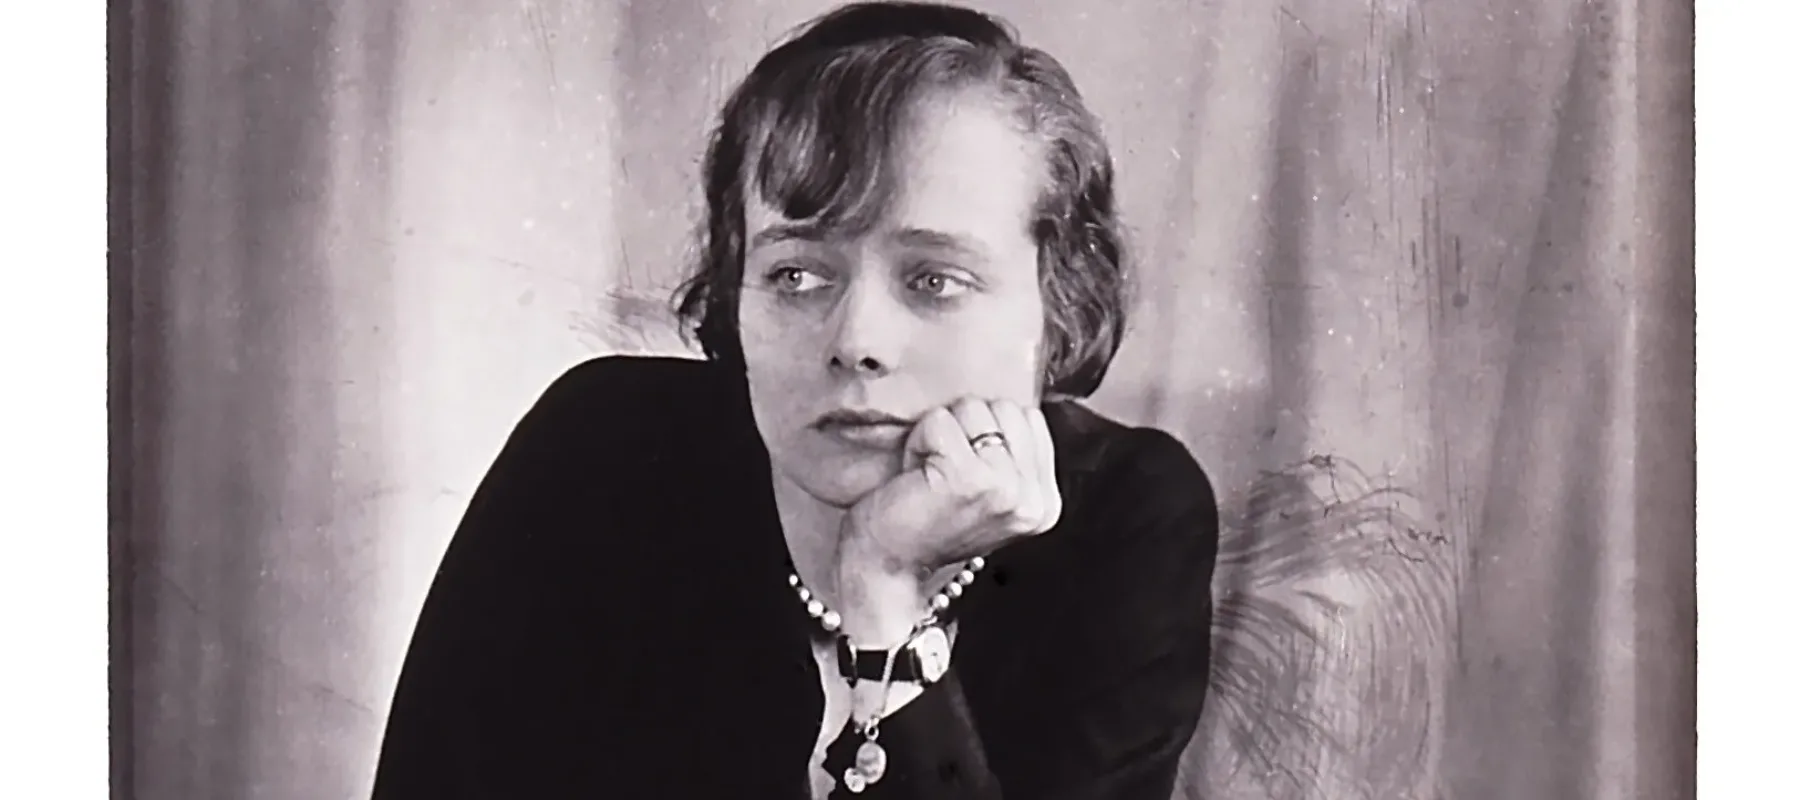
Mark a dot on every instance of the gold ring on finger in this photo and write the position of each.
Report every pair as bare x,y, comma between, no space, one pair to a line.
988,439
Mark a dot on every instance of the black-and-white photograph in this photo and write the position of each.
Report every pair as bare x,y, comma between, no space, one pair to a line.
1150,399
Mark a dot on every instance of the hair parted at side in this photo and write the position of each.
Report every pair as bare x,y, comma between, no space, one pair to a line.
811,129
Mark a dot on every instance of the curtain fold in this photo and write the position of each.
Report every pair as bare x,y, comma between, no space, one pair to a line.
1416,287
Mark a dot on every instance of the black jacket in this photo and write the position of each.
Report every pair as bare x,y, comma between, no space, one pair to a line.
612,619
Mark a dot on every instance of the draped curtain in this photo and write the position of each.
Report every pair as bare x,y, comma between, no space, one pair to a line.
1416,287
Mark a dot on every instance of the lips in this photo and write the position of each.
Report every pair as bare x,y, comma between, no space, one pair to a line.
862,428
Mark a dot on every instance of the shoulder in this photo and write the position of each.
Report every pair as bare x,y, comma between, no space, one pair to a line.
1103,461
604,452
1139,534
604,438
1129,491
632,400
635,382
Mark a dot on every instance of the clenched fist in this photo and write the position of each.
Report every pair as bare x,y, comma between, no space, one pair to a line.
975,475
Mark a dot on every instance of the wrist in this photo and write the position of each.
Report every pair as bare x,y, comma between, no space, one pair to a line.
860,548
881,604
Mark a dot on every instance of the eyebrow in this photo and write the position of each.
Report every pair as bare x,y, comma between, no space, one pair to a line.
776,234
939,240
924,238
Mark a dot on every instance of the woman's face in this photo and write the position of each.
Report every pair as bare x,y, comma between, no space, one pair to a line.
847,340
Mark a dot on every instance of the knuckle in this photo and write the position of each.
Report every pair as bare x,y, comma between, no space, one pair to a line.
1029,504
1000,498
1053,508
1026,521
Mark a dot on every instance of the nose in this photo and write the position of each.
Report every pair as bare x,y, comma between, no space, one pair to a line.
867,330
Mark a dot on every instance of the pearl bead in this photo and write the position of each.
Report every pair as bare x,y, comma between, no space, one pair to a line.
954,590
793,580
939,602
815,608
831,620
965,577
805,595
977,562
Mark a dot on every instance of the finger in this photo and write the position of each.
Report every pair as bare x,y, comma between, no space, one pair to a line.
996,487
989,442
939,445
975,417
1012,422
1044,464
1022,449
978,423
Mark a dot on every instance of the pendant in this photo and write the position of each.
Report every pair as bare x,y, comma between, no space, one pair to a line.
871,761
853,781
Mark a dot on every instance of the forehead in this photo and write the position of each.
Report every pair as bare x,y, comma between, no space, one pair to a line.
962,166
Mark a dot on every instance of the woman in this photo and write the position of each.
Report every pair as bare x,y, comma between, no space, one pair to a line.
870,546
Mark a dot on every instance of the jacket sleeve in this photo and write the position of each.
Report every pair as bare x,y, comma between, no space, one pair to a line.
1111,694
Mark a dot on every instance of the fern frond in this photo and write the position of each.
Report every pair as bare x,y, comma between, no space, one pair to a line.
1331,616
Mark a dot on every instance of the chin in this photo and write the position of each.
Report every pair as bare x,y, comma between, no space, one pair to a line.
842,481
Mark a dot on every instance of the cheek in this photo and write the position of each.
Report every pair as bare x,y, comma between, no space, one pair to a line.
772,342
771,358
1001,353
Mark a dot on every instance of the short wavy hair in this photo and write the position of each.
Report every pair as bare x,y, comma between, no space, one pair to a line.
812,130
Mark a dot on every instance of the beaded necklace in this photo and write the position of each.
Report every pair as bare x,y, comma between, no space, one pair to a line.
871,758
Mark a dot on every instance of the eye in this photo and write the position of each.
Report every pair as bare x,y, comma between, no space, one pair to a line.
792,278
938,284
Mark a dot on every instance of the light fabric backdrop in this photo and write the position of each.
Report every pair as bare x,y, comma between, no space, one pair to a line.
1437,247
